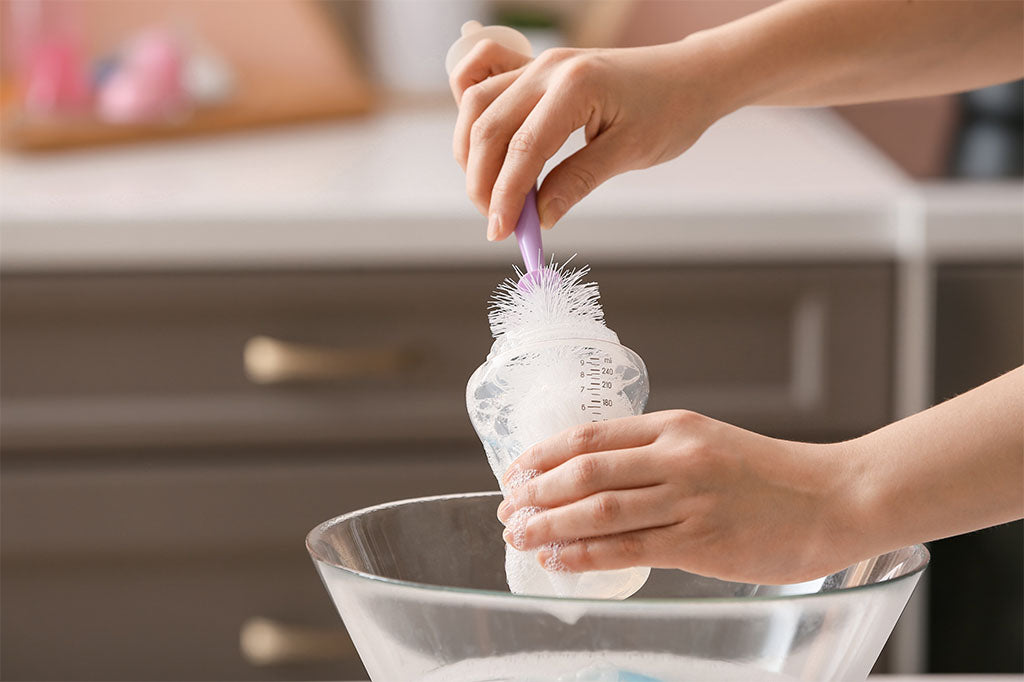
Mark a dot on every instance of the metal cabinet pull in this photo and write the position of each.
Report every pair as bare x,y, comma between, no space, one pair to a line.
264,641
272,361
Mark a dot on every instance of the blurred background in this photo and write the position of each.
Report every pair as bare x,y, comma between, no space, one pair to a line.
242,290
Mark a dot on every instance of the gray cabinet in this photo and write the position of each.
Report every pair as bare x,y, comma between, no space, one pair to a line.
169,438
151,567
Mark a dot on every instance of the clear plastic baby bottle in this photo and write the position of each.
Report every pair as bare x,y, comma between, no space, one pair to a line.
540,379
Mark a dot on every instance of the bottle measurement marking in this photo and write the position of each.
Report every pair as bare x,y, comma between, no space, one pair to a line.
596,372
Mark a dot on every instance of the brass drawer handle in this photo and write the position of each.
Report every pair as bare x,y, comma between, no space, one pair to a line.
273,361
264,641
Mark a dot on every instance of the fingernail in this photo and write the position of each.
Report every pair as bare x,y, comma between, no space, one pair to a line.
503,510
513,538
493,227
554,209
510,474
515,534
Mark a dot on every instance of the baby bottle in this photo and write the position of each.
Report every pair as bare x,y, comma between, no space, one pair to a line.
553,365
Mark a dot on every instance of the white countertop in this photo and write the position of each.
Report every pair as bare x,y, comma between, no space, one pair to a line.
383,190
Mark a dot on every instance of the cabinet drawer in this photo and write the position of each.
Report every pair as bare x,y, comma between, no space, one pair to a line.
143,359
150,570
157,360
794,351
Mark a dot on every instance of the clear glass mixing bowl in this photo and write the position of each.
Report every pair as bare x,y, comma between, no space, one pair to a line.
420,585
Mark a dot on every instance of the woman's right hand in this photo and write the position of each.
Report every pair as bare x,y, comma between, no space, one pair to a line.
638,106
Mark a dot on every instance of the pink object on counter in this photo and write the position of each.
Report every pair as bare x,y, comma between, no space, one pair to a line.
56,78
148,83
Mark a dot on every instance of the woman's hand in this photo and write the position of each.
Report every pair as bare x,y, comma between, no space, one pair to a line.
638,106
641,106
680,490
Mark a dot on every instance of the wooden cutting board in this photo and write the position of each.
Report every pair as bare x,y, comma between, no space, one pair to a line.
290,63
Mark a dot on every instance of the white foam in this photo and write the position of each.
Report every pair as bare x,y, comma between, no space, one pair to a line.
517,523
519,477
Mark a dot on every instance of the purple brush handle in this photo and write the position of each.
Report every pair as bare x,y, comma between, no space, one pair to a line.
528,234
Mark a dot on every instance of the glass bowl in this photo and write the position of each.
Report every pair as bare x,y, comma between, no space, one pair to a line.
420,585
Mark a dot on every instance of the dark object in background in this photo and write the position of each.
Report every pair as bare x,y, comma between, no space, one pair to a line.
990,142
976,600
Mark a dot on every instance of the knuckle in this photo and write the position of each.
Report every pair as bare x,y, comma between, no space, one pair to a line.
582,437
483,130
630,547
502,187
523,142
682,418
576,69
582,70
582,559
700,457
480,57
488,47
582,180
607,508
458,80
686,416
473,96
585,472
554,55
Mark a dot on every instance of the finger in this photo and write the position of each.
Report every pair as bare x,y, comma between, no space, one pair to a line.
586,475
614,434
579,175
546,128
610,552
475,100
606,513
486,59
489,139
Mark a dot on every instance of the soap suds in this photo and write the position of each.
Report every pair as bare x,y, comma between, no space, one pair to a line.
517,524
519,477
554,563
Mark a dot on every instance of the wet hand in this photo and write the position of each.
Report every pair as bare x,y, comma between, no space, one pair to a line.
679,490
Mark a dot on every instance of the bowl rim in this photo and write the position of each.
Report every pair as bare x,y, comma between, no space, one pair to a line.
320,529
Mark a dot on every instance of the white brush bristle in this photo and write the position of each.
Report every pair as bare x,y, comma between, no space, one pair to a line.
557,297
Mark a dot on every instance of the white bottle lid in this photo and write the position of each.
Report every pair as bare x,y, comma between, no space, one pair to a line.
473,32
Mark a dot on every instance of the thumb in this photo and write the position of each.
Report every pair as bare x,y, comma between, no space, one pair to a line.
578,176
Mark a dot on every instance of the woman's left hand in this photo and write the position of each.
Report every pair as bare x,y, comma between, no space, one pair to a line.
679,490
